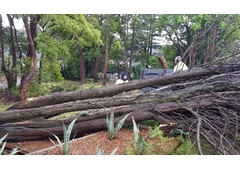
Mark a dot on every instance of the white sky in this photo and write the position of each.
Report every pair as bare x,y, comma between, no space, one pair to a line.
117,7
121,6
17,22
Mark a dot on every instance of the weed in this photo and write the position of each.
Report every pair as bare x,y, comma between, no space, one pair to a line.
110,125
65,148
186,147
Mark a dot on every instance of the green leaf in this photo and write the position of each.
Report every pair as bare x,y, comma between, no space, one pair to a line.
121,123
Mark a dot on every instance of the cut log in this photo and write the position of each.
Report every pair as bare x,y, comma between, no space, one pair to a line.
112,90
204,102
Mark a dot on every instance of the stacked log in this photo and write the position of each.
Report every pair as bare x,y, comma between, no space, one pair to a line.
202,102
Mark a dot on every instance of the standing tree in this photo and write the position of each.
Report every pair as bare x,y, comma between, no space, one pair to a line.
31,54
10,70
69,32
106,52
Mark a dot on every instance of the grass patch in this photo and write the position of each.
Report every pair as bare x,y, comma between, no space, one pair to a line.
66,115
3,107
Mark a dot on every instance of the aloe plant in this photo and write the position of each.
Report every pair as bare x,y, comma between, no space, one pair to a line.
65,148
110,124
14,151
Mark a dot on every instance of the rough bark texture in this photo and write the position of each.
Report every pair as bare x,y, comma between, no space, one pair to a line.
203,102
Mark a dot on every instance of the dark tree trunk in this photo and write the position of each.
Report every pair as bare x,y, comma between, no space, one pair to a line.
82,63
96,68
3,66
125,42
106,54
13,73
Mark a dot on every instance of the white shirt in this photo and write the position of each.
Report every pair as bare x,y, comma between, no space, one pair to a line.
120,81
180,67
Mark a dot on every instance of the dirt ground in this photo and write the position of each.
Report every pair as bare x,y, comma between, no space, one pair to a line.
89,144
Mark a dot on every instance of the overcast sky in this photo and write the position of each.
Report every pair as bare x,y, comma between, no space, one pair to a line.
120,7
17,22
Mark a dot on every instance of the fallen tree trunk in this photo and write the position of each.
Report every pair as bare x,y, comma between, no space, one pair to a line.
197,102
157,96
63,97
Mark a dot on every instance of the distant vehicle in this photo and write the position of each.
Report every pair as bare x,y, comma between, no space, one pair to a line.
149,73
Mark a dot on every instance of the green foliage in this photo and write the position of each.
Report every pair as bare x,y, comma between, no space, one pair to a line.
157,133
65,147
186,147
112,130
13,152
165,144
139,146
170,52
151,123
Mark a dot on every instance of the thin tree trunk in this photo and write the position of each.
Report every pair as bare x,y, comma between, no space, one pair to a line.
82,63
13,73
106,54
3,66
125,42
96,68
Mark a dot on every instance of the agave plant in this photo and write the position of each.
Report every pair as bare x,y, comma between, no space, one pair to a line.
14,151
100,152
110,124
140,146
65,148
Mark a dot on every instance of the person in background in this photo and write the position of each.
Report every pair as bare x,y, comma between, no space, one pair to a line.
123,79
180,65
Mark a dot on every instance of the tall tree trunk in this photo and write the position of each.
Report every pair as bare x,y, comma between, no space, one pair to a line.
3,66
13,73
32,54
132,50
18,48
34,19
125,42
106,54
96,68
82,63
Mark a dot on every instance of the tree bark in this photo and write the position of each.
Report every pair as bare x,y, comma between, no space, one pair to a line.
82,63
12,78
62,97
106,54
31,54
96,69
